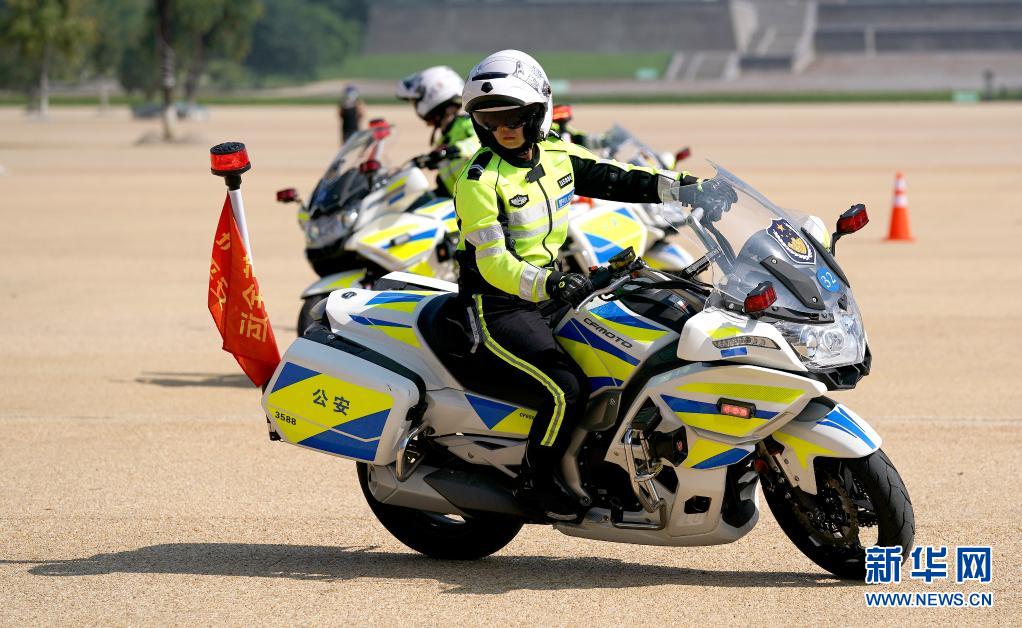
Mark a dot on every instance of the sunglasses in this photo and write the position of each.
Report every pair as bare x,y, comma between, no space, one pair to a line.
508,118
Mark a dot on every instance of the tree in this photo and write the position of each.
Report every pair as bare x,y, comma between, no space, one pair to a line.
122,23
48,36
207,29
168,79
298,37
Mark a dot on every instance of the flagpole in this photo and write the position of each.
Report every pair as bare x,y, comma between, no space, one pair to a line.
230,160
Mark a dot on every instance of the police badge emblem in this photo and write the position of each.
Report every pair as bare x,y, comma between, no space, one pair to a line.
519,200
794,245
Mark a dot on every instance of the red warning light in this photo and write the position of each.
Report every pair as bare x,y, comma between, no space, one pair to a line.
228,158
737,409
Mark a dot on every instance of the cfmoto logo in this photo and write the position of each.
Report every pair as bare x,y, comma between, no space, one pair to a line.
603,330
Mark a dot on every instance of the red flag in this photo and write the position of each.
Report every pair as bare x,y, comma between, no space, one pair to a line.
236,305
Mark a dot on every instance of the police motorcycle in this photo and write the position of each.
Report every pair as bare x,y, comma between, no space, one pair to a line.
600,229
701,390
364,220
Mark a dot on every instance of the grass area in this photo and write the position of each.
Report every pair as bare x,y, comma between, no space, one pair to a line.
681,99
559,65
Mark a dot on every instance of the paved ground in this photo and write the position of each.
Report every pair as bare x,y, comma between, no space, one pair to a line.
138,485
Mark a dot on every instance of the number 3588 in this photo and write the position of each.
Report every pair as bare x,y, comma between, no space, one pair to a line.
280,416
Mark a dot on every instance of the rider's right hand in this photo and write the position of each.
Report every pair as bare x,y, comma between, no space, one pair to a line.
571,288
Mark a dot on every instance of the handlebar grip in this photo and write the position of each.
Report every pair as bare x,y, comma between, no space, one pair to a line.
601,277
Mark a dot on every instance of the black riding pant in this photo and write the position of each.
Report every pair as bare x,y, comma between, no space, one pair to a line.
520,344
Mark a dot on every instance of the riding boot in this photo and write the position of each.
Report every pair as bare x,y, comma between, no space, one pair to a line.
540,488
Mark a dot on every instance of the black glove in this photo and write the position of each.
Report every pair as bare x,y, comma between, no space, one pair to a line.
572,288
713,195
435,156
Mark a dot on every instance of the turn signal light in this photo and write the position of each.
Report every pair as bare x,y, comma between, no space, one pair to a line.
369,166
287,195
852,220
760,298
684,153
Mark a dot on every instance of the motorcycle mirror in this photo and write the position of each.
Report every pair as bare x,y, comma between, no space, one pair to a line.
852,220
849,222
684,153
287,195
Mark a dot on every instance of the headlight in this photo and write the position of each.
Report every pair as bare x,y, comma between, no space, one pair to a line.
348,218
324,230
823,346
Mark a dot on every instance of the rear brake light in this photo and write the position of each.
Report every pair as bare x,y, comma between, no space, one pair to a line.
684,153
287,195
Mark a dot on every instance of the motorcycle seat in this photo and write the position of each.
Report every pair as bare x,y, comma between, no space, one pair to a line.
444,325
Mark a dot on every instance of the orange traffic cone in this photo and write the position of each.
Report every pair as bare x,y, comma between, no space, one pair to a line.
899,231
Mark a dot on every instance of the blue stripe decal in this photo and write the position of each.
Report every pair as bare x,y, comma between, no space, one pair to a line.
364,320
614,313
624,212
600,344
395,297
734,352
677,404
342,445
369,426
453,214
425,235
836,418
604,249
723,459
491,412
397,197
596,383
292,374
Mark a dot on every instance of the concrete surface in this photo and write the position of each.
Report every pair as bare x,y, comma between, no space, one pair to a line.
137,485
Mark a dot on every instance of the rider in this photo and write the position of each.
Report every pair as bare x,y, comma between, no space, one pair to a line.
436,93
512,207
562,116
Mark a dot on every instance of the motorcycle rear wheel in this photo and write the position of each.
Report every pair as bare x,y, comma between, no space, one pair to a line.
441,536
852,495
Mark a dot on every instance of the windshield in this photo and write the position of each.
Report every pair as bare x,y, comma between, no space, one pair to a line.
623,146
342,182
750,240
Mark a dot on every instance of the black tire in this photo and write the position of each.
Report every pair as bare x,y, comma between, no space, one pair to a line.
439,536
305,314
869,486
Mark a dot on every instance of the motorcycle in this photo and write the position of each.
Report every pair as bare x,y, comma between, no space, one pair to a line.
363,220
701,390
598,229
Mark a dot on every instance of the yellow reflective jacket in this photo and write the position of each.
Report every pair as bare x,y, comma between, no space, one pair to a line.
459,135
514,216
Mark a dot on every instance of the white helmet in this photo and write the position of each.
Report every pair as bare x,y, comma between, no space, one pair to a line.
431,88
510,79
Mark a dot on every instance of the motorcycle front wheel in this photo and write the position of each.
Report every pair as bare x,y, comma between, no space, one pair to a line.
859,503
444,537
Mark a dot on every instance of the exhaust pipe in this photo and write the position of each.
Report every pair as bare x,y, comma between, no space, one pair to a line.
475,491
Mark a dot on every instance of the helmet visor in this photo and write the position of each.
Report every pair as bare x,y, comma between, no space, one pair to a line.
509,118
